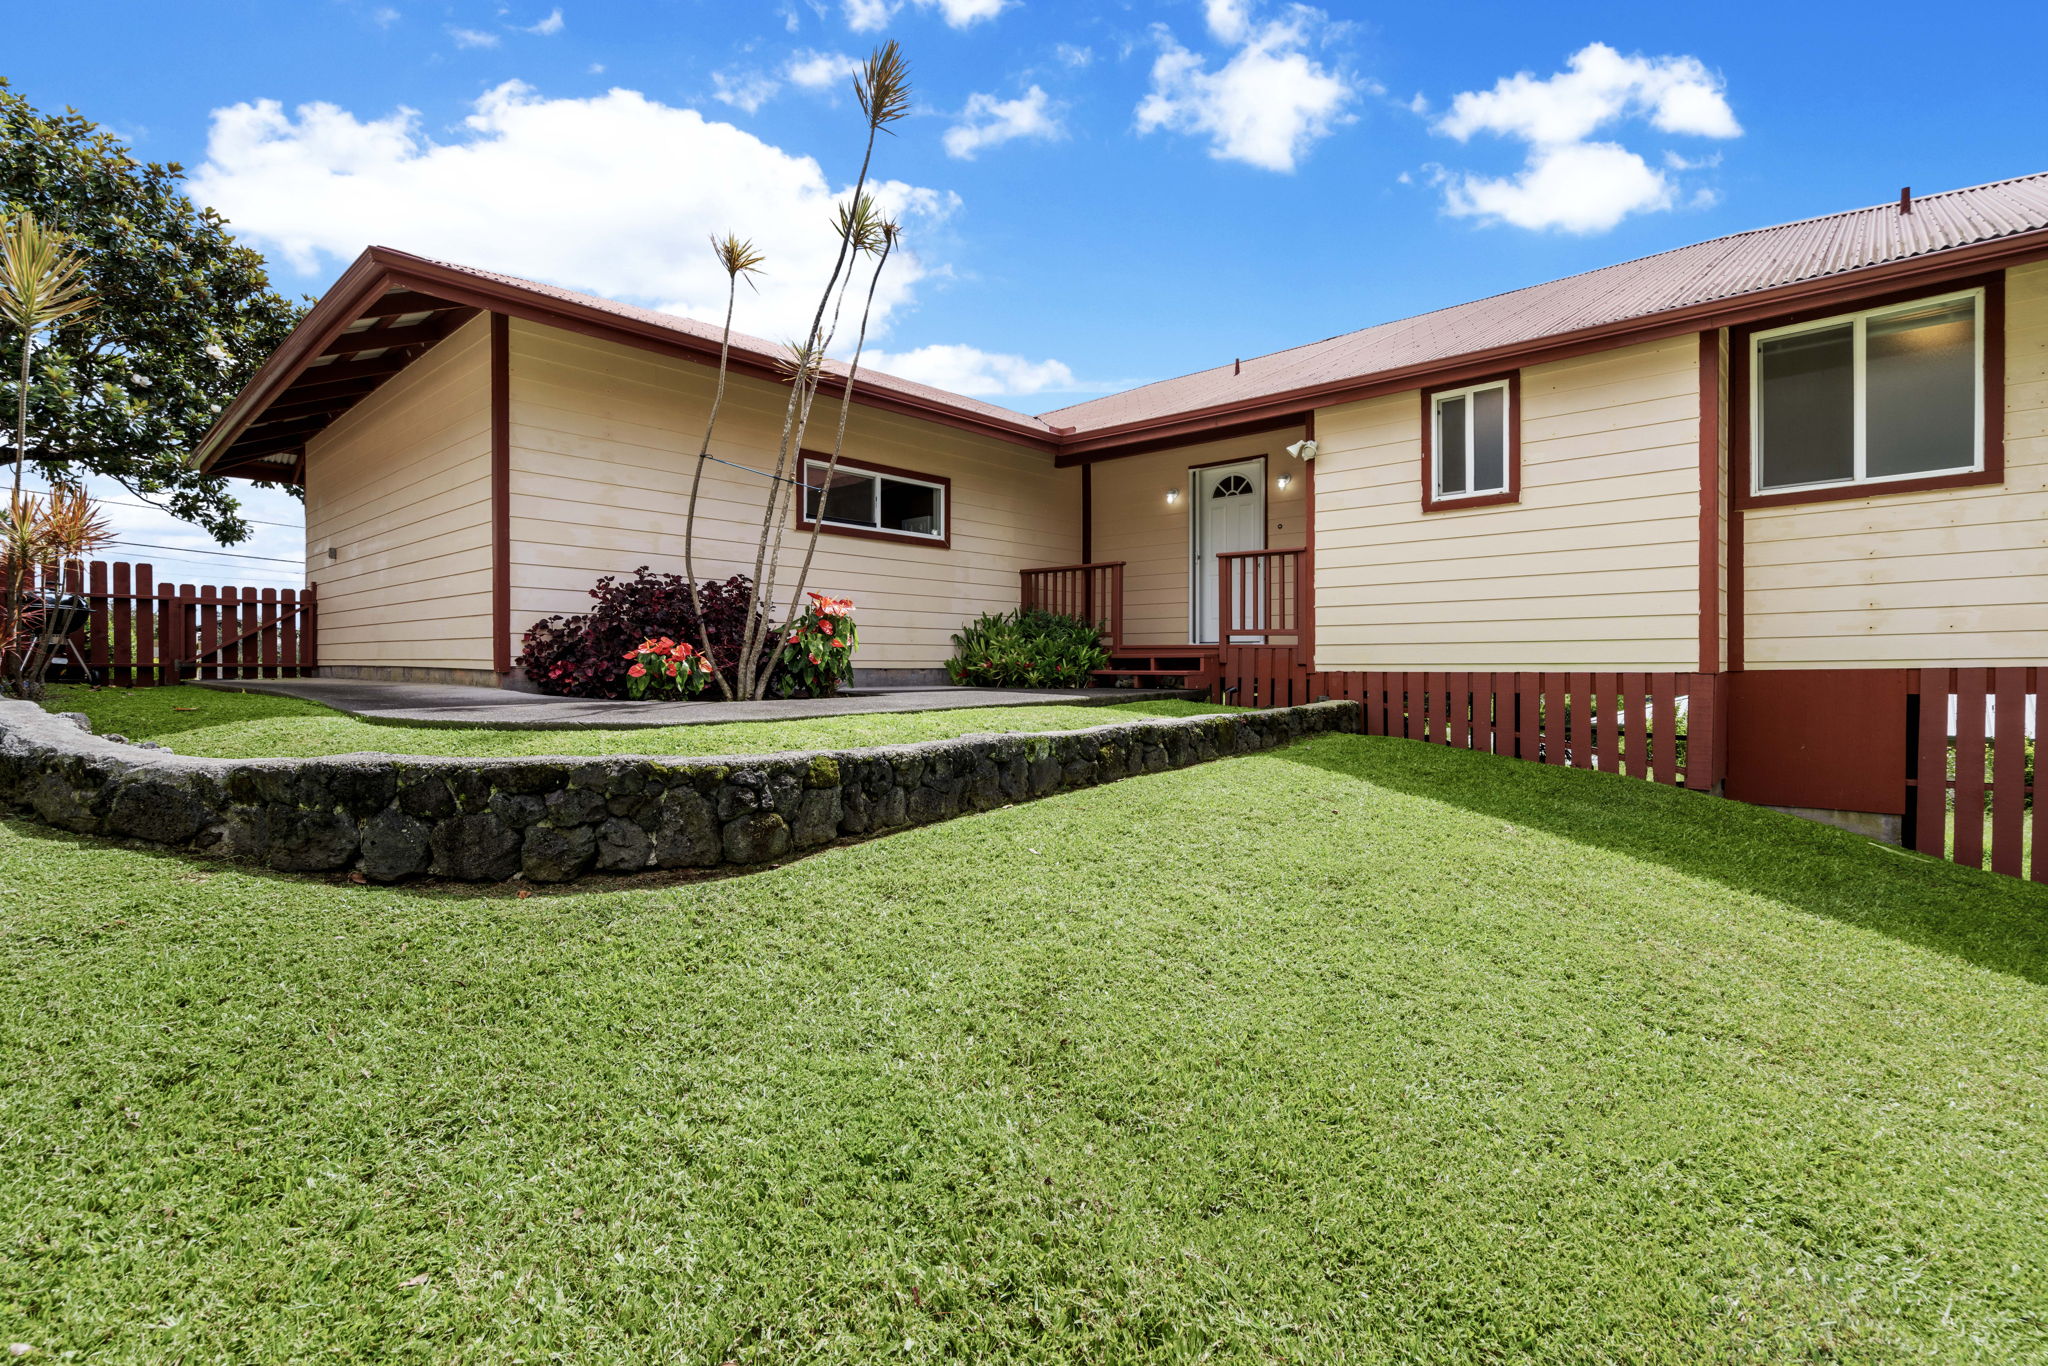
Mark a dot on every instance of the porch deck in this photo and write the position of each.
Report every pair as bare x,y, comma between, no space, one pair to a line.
1262,614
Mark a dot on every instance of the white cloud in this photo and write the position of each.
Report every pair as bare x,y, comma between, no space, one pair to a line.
747,90
1229,20
817,72
970,370
384,16
821,70
988,121
615,194
865,16
1599,86
1074,55
550,26
1568,181
470,37
1576,186
1267,105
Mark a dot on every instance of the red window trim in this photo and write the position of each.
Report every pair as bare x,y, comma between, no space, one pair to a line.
1513,494
1739,384
804,523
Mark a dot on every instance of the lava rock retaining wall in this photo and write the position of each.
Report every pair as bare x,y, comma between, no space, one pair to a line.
392,817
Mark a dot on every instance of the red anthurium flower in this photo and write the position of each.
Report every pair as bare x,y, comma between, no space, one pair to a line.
637,671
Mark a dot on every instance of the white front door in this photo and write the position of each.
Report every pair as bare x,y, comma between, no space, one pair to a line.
1229,514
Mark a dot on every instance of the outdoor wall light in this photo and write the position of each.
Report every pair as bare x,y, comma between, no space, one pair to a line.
1284,480
1172,497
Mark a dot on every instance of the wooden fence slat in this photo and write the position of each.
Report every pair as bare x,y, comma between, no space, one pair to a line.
121,624
145,626
1930,800
1579,702
1635,737
99,647
1555,740
2008,769
1459,688
1527,692
2038,865
1437,714
1607,719
1663,728
1971,687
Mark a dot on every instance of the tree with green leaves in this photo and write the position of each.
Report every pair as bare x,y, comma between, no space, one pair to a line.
183,316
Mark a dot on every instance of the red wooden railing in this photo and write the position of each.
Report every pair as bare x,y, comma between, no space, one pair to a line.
1087,592
1259,595
139,633
1971,761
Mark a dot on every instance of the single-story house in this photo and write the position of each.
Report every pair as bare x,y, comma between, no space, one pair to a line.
1799,451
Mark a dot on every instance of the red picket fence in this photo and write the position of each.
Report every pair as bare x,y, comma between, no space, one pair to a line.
139,633
1660,726
1971,763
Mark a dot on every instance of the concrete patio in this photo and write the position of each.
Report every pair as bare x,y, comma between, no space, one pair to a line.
451,704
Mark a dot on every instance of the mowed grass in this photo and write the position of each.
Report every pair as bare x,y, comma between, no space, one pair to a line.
224,725
1362,1050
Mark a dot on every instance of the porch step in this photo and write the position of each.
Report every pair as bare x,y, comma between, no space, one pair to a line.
1137,668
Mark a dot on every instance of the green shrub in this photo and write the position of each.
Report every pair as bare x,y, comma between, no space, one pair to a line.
1026,650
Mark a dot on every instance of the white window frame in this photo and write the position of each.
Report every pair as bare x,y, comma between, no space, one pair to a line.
1436,440
1859,407
814,478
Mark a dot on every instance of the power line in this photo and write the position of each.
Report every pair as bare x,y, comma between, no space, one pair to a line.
221,554
152,507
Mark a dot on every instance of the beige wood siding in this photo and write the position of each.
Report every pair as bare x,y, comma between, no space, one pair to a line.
1951,577
1596,567
603,441
399,490
1134,523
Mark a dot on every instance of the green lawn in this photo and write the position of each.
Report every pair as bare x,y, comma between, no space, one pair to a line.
224,725
1362,1050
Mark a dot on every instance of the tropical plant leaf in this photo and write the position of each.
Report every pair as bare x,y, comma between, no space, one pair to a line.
883,86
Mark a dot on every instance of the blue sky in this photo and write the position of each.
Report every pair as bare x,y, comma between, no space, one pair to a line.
1096,194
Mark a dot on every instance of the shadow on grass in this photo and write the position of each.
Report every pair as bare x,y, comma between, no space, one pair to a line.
1992,921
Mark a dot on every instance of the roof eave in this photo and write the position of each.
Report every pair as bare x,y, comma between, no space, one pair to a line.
1929,268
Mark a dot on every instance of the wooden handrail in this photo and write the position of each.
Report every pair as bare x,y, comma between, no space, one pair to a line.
1093,593
1259,594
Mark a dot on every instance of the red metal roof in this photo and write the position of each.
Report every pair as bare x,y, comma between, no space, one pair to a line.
1721,269
1696,286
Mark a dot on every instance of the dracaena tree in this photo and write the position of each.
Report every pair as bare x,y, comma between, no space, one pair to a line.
42,286
184,316
865,237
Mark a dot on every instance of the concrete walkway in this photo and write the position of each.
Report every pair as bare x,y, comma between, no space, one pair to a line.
451,704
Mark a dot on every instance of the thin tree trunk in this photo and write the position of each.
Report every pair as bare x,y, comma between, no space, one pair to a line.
778,516
754,686
696,484
803,574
